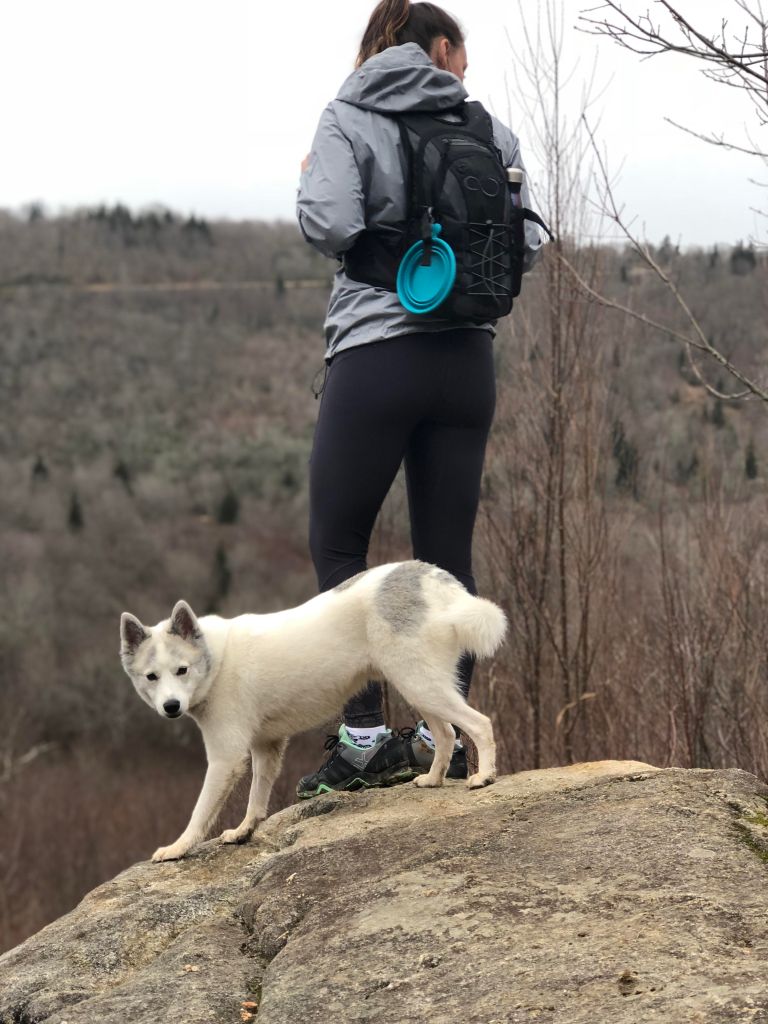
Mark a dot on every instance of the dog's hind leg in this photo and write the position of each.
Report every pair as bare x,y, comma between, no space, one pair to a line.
266,760
480,730
443,735
428,683
451,706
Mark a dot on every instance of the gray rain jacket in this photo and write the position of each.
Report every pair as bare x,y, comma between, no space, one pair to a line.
355,180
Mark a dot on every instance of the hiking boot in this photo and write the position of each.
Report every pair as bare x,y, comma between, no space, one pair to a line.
386,763
421,754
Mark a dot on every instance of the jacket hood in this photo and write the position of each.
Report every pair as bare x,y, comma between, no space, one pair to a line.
401,79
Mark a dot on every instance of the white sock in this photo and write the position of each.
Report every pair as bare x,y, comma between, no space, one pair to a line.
427,736
366,737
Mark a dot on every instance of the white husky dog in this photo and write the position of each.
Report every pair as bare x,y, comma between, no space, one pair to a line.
253,681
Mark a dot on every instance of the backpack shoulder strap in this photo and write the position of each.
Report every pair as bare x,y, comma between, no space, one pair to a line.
425,126
479,120
481,124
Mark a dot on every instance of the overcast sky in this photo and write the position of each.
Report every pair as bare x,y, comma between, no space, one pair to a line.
209,107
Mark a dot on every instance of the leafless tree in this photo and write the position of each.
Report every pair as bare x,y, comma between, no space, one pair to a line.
544,521
737,58
711,628
690,332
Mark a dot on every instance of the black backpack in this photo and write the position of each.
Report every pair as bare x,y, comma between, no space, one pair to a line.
455,177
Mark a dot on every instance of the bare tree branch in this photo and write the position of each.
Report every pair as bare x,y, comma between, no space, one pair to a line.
714,140
696,338
728,58
643,36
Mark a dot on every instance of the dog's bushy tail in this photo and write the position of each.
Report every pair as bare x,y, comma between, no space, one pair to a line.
480,624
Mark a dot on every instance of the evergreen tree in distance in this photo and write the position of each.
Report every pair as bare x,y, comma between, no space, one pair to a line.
75,517
750,461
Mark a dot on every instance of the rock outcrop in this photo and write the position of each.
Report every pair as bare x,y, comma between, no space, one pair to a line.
603,893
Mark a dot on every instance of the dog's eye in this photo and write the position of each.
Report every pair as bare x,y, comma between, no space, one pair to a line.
151,676
181,671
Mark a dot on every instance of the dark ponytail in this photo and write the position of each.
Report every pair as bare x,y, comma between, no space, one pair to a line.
395,22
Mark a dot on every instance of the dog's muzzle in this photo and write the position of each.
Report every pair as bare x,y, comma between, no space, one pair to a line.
172,708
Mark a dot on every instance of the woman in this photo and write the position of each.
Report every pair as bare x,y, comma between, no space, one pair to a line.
399,386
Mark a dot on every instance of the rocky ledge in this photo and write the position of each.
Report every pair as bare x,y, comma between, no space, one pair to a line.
601,893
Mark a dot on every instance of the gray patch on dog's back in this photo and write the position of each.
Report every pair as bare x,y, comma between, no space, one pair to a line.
444,577
399,599
352,579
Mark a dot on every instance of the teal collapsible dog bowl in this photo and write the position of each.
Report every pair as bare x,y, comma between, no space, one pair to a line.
422,289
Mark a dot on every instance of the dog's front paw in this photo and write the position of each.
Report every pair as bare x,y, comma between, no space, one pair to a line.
425,782
174,852
236,835
478,781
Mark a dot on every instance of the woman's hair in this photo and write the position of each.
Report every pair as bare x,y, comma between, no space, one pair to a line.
395,22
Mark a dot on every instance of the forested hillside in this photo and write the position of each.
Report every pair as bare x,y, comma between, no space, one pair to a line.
157,417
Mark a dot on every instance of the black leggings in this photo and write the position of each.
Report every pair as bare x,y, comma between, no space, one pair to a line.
425,398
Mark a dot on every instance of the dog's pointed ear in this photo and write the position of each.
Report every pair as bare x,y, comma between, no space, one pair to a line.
184,622
132,634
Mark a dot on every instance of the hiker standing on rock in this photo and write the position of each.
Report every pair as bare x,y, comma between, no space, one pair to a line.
396,152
